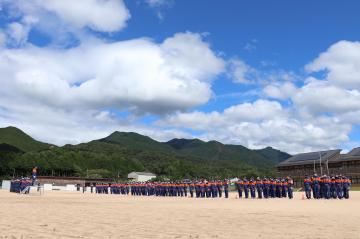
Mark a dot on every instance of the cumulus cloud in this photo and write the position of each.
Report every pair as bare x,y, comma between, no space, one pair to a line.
99,15
71,94
280,90
341,62
240,72
137,75
323,97
263,123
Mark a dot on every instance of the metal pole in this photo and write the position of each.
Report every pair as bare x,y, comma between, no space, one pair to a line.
320,165
314,167
327,167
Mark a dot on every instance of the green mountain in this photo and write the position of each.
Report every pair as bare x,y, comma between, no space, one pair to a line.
120,153
274,156
15,137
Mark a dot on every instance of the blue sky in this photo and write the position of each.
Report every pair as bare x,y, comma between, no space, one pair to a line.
257,73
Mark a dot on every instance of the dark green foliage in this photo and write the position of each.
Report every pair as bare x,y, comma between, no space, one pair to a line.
120,153
15,137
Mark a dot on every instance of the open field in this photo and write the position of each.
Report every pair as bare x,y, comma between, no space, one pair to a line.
77,215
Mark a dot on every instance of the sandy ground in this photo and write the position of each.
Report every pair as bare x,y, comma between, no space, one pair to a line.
77,215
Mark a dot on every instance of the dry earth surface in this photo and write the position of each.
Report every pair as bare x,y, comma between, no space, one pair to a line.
77,215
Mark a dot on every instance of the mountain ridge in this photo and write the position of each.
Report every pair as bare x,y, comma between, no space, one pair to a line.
123,152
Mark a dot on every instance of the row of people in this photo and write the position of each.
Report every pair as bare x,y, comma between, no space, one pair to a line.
199,189
327,187
18,185
265,188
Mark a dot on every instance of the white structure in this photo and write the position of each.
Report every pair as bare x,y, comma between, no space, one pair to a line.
141,176
6,184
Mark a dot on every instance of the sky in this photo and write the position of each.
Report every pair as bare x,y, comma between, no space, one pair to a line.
259,73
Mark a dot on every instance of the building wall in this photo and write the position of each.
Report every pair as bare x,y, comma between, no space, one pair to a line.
143,178
350,169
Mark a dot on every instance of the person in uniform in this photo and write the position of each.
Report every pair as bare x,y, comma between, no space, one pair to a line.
246,187
33,175
316,186
239,186
226,188
290,185
307,187
266,188
333,188
259,187
339,187
252,185
346,187
219,185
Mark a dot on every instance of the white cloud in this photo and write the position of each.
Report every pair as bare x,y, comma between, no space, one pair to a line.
240,72
263,123
157,3
323,97
17,33
136,75
341,63
99,15
2,39
281,91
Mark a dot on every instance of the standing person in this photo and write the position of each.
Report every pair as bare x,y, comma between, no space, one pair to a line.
191,188
266,188
259,187
185,185
307,187
226,188
252,188
339,186
273,187
327,187
278,188
239,185
246,187
316,186
33,175
202,189
346,187
283,188
219,185
333,188
197,189
290,185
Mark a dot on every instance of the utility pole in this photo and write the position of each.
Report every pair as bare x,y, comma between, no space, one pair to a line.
314,168
320,165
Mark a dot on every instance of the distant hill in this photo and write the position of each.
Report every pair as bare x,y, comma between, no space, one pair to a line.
133,140
273,155
121,152
214,150
15,137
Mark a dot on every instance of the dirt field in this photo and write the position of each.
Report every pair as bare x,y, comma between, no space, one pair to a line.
77,215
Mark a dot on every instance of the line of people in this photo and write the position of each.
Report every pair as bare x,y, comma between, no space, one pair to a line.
198,189
265,188
327,187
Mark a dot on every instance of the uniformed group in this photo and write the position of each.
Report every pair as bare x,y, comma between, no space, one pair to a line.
265,188
18,185
199,189
327,187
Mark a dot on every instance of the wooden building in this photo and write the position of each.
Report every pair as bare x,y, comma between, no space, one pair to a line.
330,162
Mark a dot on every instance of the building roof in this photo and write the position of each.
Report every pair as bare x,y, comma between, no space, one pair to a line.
310,158
354,152
353,155
143,173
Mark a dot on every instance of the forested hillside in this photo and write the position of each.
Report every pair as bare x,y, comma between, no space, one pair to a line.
120,153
